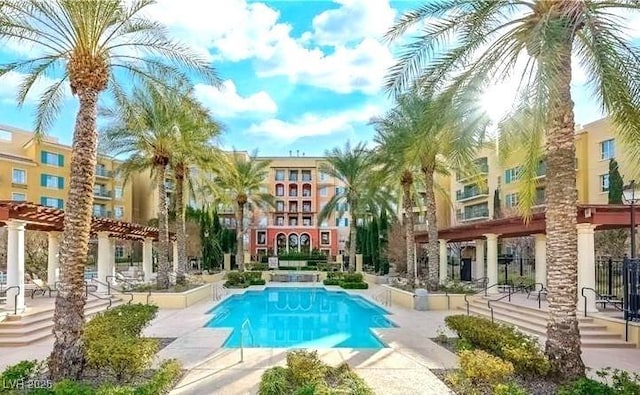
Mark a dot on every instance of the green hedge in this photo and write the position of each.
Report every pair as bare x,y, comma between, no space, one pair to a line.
243,279
346,280
502,341
354,285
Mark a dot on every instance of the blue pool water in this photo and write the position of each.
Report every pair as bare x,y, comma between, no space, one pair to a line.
300,317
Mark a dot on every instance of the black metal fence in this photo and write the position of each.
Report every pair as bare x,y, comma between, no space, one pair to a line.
631,284
610,277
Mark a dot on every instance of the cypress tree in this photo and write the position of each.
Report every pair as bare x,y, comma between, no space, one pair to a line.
616,183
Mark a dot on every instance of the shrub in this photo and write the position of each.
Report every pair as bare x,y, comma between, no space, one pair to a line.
275,381
234,279
305,367
162,380
483,368
335,275
23,370
112,341
259,266
354,285
331,281
501,340
69,387
585,386
352,277
243,279
257,282
509,389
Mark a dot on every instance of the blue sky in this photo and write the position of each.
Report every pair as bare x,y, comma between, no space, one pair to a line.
298,75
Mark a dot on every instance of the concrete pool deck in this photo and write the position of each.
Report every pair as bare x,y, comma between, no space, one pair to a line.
400,369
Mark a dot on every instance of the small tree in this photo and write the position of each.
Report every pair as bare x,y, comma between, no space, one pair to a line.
612,242
616,183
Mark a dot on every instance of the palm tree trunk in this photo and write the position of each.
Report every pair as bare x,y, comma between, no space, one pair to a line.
240,237
433,257
67,357
163,238
353,235
563,335
181,237
407,205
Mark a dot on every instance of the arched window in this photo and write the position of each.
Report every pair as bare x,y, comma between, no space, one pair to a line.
293,242
281,243
305,243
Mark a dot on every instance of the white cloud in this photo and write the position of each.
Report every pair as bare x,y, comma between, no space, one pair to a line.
10,85
353,20
310,124
226,102
236,30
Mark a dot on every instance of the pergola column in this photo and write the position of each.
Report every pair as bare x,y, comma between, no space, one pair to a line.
112,259
53,259
492,261
541,258
175,256
479,267
443,260
15,264
104,259
586,266
147,258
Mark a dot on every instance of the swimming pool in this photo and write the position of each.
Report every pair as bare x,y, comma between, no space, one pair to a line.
299,318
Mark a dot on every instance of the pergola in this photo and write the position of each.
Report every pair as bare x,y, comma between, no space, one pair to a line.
21,216
485,235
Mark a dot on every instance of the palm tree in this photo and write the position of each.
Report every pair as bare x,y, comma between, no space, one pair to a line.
84,43
536,40
436,138
194,149
393,139
353,166
148,126
240,184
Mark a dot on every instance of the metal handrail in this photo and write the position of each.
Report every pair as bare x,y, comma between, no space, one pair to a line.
101,298
219,292
466,301
15,297
626,320
245,323
508,295
124,280
109,289
385,295
86,288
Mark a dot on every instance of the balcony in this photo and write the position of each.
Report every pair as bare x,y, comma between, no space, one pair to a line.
470,194
102,213
482,168
103,173
102,193
473,215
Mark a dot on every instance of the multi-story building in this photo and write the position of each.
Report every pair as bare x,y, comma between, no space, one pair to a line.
475,200
38,172
301,191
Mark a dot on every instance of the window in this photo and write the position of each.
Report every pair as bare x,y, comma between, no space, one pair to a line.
306,221
118,211
279,175
476,211
279,206
119,251
19,176
511,175
99,210
604,183
293,190
324,191
344,222
52,159
280,221
340,190
325,238
293,221
261,238
118,194
293,175
607,149
511,200
323,176
52,202
18,196
49,181
306,175
279,190
342,207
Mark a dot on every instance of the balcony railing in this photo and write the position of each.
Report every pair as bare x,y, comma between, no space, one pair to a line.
101,172
102,193
469,194
470,216
104,213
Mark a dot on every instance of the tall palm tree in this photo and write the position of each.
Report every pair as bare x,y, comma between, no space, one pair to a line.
194,149
393,139
535,40
240,184
83,44
148,126
437,138
353,166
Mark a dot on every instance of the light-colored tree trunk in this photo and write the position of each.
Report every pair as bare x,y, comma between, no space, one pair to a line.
563,335
433,252
181,236
67,358
407,205
353,229
240,236
163,281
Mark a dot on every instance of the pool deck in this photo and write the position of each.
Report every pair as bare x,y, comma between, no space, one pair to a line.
403,368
